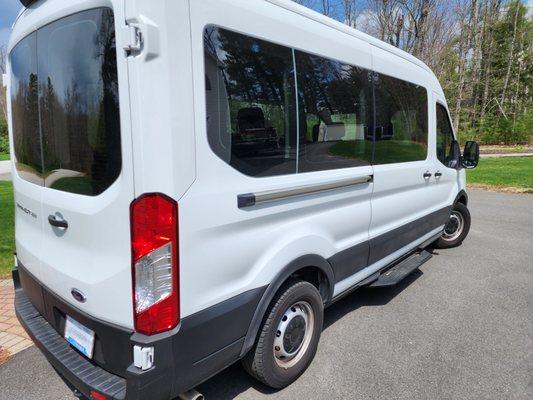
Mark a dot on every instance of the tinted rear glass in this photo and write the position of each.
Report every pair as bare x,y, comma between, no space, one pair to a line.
25,111
77,103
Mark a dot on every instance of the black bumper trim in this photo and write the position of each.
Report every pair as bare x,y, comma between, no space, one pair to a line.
84,375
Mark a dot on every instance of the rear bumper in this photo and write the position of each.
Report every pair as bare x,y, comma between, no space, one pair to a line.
202,345
72,366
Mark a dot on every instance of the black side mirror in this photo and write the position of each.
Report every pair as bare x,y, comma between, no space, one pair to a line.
454,160
470,157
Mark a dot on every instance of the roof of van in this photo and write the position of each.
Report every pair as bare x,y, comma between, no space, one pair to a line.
311,14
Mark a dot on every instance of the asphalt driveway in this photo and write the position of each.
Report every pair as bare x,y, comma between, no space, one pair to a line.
462,328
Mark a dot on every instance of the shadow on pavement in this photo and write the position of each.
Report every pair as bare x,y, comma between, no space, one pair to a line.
233,381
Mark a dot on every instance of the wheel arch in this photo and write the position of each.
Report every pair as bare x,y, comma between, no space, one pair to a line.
462,197
312,268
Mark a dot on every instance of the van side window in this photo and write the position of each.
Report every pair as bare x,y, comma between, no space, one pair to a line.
444,135
251,106
401,131
25,111
334,114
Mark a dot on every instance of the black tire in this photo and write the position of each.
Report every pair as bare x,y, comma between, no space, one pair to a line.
451,237
262,362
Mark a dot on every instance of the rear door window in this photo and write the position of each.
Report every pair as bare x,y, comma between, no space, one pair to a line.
25,111
77,109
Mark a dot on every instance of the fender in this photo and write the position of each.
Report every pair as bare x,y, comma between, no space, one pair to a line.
310,260
462,195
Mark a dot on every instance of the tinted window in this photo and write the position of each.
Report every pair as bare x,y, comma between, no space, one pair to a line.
401,130
335,110
444,135
25,111
73,100
250,95
78,93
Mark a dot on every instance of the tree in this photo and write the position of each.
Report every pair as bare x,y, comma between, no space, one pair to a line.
481,51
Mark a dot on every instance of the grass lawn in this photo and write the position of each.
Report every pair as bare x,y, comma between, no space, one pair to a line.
7,231
4,156
502,149
516,172
387,151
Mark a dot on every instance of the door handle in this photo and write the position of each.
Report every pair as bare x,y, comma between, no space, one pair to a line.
58,223
427,175
438,174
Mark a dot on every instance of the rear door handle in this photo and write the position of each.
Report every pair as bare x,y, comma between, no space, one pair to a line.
427,175
438,174
58,223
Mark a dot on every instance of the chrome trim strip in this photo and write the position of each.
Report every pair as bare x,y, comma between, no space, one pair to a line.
252,199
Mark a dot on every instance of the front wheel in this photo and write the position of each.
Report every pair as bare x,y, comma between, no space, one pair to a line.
457,227
289,336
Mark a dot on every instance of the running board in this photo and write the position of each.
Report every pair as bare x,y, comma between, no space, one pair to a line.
404,268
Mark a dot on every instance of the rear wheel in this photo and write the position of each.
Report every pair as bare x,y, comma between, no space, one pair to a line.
457,227
289,336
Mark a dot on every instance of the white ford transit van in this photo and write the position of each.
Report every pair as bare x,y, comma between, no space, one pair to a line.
195,181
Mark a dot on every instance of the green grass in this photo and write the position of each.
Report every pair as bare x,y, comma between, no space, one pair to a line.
7,231
503,172
387,151
4,157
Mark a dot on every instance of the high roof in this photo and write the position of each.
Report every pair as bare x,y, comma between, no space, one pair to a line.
311,14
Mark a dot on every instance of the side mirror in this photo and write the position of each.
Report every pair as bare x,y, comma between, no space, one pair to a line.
454,159
470,157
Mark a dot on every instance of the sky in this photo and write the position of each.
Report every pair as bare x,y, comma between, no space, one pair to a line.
8,12
10,8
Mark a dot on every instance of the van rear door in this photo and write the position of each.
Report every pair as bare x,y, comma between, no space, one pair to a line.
86,165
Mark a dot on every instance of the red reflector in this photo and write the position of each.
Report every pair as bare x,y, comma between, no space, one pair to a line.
97,396
154,236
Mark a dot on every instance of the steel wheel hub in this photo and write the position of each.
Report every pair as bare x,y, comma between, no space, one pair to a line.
454,227
294,334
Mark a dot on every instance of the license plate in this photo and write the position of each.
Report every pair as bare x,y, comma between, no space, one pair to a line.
80,337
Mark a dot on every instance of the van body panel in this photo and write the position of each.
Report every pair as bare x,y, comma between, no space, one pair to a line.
28,223
93,254
162,111
254,245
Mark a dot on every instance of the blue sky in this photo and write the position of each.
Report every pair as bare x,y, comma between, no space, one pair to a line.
8,12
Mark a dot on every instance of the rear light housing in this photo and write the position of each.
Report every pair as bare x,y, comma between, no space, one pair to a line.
155,266
97,396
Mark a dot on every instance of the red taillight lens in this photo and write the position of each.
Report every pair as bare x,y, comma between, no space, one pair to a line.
97,396
154,247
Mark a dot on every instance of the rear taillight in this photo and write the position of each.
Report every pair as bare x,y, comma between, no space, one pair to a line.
97,396
154,246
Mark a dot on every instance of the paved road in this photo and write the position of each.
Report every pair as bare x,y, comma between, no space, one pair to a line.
5,170
460,329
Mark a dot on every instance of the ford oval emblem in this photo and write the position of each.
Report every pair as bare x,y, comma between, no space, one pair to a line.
79,296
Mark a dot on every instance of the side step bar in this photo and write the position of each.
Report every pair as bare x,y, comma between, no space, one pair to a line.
398,272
